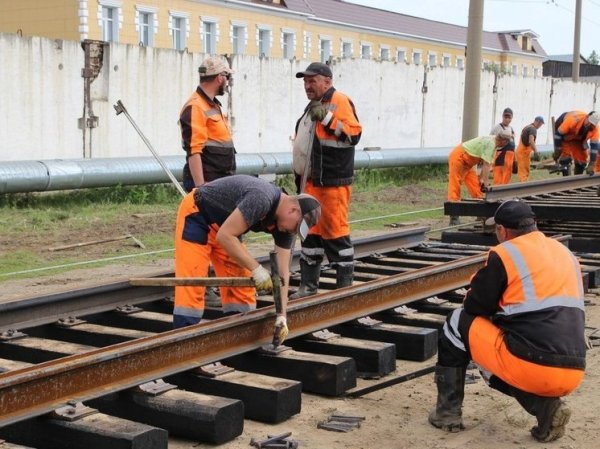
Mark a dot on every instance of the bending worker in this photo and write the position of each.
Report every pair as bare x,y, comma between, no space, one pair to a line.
462,161
522,322
211,220
527,147
324,147
205,134
572,130
504,157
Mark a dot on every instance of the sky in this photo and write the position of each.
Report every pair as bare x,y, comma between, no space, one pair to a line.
552,20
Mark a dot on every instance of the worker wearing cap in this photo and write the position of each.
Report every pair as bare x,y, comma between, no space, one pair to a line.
527,147
326,134
205,134
210,221
572,131
522,322
462,161
505,156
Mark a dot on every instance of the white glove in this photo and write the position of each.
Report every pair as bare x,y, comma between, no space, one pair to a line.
281,328
262,279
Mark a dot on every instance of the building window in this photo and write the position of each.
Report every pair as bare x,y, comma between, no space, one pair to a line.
446,61
110,24
209,37
432,60
178,29
146,24
365,51
416,57
346,50
264,41
384,54
238,39
401,55
325,49
536,72
460,63
306,45
515,69
525,70
288,44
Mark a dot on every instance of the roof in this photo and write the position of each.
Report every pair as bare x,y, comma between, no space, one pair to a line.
565,58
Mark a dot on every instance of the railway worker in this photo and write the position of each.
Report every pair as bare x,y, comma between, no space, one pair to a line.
205,133
326,134
572,132
527,149
230,207
462,161
522,322
505,156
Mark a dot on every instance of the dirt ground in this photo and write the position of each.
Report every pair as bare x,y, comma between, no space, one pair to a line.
395,418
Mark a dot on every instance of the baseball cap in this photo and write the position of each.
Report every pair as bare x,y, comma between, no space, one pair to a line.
213,66
594,118
507,111
513,214
539,118
311,212
316,68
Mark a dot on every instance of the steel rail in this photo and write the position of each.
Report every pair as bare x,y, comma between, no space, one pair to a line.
522,189
33,391
24,312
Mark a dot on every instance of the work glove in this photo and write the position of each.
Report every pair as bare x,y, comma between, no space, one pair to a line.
589,169
483,187
536,156
317,111
262,279
281,329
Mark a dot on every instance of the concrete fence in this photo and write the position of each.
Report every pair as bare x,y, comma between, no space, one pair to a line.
399,105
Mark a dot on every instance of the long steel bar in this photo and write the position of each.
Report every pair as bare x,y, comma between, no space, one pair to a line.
28,312
39,389
521,189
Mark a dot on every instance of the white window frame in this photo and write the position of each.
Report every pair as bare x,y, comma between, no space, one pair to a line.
288,43
417,56
366,50
401,54
264,40
306,44
536,72
525,70
209,32
384,52
151,27
460,63
238,43
346,48
116,19
184,29
325,48
446,60
432,59
515,70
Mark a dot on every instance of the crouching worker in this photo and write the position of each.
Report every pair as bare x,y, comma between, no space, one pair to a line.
211,220
522,322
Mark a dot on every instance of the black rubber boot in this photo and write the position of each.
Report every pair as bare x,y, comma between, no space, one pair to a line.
447,414
579,168
309,280
454,220
344,274
552,415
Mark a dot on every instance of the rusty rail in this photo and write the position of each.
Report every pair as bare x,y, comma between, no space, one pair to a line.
521,189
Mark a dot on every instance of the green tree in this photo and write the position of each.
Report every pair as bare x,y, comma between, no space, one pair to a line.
593,58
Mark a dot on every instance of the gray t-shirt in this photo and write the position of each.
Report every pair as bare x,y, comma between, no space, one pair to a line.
256,199
529,130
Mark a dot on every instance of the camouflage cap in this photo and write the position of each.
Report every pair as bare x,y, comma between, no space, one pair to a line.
213,66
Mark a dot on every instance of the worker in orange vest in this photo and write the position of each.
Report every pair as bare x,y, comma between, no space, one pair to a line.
522,322
504,157
573,130
527,147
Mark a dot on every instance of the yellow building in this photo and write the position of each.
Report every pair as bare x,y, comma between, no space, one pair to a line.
308,29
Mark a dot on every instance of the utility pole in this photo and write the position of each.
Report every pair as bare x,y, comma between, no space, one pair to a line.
473,71
576,39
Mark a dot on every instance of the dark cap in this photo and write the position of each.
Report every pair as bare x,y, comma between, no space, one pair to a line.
316,68
507,111
311,212
513,214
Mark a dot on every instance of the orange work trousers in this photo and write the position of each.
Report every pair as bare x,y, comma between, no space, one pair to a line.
488,350
524,162
461,169
503,173
192,259
575,150
335,203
